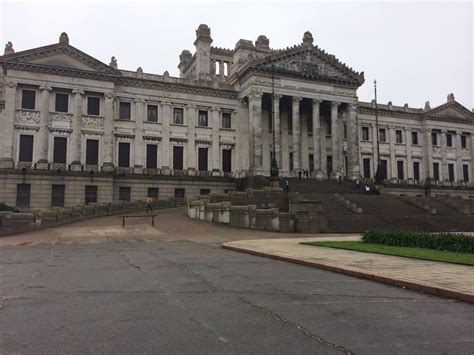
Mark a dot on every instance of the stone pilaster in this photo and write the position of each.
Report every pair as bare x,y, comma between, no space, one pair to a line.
76,136
165,146
444,156
276,110
353,143
43,133
215,124
191,119
410,173
7,126
108,138
336,159
244,137
458,149
375,157
221,69
139,117
393,159
296,133
427,152
255,120
317,140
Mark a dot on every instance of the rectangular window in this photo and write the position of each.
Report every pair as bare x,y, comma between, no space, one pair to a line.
60,150
90,194
449,139
398,136
451,172
365,133
328,126
465,172
366,167
400,172
26,148
151,156
226,120
414,138
226,160
309,125
177,158
202,159
329,165
179,193
62,102
344,131
93,106
202,118
124,194
291,162
125,110
178,116
382,136
153,192
463,141
436,171
416,171
28,99
23,195
92,152
311,162
434,138
57,195
124,155
383,168
152,113
204,191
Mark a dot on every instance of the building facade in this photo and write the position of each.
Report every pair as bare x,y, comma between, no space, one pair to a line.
76,130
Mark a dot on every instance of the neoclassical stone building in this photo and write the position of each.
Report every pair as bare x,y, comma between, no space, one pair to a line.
76,130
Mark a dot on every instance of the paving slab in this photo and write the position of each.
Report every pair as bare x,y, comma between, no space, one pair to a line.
438,278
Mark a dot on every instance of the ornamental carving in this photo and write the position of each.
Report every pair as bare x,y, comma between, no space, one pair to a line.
26,116
60,116
92,122
309,65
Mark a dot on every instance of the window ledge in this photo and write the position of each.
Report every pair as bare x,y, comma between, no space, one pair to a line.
151,122
227,129
124,120
205,127
178,125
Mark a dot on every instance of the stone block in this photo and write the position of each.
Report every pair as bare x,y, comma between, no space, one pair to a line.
165,170
6,218
239,216
286,222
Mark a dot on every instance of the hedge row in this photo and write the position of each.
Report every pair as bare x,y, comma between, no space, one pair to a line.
5,207
457,242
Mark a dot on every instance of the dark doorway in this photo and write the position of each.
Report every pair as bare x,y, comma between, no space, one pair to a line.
151,156
177,158
23,195
227,160
329,166
60,150
203,159
366,168
92,152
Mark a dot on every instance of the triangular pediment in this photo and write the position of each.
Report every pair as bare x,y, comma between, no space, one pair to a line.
61,55
309,62
451,109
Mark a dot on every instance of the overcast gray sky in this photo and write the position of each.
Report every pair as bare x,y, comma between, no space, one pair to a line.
417,51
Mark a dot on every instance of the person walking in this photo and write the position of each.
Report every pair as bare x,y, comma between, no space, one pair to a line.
286,185
149,204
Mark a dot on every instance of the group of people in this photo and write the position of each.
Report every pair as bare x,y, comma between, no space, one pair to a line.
304,173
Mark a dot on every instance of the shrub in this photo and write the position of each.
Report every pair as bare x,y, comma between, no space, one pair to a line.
457,242
5,207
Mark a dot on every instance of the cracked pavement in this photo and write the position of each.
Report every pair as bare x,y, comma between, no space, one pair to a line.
183,293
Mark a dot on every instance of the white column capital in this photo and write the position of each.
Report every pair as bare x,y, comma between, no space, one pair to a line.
78,92
108,95
215,108
255,95
335,104
46,88
317,102
296,99
11,84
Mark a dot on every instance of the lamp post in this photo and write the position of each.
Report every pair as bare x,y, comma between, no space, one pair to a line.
274,172
378,172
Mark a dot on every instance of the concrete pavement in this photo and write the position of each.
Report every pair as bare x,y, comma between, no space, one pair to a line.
438,278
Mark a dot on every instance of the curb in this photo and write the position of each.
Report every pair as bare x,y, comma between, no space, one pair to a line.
412,285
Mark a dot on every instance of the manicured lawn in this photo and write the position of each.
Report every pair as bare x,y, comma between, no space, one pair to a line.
419,253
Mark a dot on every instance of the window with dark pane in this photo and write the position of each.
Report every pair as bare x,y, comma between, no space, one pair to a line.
90,194
62,102
202,118
124,193
398,136
416,171
382,136
93,106
434,138
365,133
151,156
60,150
178,115
227,160
125,110
92,152
463,141
400,170
414,138
203,159
226,120
57,195
152,113
28,99
451,172
124,155
23,195
465,172
179,193
436,171
26,148
153,192
177,158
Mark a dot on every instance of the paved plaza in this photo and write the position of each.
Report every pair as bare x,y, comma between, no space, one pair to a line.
92,286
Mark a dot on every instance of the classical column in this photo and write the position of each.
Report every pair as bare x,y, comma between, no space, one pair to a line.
353,142
296,133
221,68
375,155
108,138
317,139
457,144
393,159
7,125
244,136
444,156
276,129
255,119
410,172
191,119
427,152
215,124
76,136
335,140
165,146
43,133
140,116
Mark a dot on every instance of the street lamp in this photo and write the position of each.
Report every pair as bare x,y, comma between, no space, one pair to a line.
274,172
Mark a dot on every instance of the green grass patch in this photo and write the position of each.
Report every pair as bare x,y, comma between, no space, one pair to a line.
418,253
